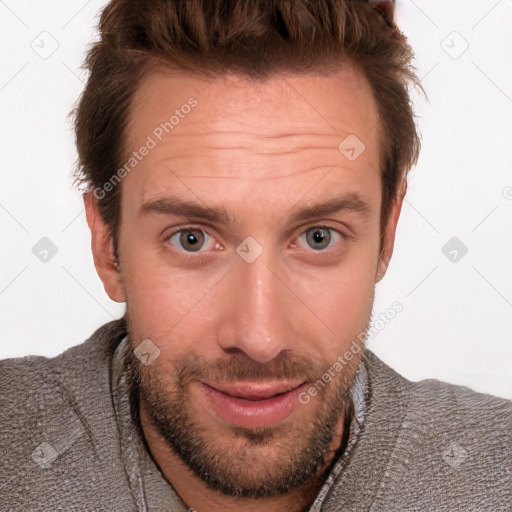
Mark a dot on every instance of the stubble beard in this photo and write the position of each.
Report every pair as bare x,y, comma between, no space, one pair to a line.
245,462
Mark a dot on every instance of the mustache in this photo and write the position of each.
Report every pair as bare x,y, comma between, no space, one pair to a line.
238,368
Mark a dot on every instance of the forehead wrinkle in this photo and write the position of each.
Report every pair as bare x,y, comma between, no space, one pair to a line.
240,178
250,141
173,160
257,178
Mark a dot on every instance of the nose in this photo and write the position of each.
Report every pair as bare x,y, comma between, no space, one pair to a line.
258,310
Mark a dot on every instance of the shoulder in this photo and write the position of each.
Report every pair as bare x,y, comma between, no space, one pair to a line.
57,422
451,444
449,405
24,380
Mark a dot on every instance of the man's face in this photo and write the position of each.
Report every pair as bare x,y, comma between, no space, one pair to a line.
258,295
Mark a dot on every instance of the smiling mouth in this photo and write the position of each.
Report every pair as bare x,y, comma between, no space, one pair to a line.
253,404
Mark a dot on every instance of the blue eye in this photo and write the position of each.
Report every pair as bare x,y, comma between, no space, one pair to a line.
190,239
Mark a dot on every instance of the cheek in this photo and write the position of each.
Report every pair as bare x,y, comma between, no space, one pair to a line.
165,303
351,306
341,305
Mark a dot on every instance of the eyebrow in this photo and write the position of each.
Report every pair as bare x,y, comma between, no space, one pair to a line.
174,205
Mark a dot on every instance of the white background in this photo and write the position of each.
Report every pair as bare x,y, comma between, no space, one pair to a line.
456,323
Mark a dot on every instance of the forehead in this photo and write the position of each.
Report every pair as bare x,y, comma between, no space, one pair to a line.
281,104
230,127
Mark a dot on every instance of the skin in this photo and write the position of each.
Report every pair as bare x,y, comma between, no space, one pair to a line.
262,151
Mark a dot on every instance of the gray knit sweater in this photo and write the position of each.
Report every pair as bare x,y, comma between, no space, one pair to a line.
68,440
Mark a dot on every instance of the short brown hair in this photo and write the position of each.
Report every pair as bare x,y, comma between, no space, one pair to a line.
252,38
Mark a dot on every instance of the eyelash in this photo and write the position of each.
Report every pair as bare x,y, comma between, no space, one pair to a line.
200,254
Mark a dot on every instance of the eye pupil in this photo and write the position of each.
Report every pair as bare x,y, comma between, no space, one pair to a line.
193,237
319,236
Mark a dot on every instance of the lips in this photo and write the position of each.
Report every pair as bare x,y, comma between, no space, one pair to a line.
252,404
256,391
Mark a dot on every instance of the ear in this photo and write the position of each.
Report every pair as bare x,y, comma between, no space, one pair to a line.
389,233
102,245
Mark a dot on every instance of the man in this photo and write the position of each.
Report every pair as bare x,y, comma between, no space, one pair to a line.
274,138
